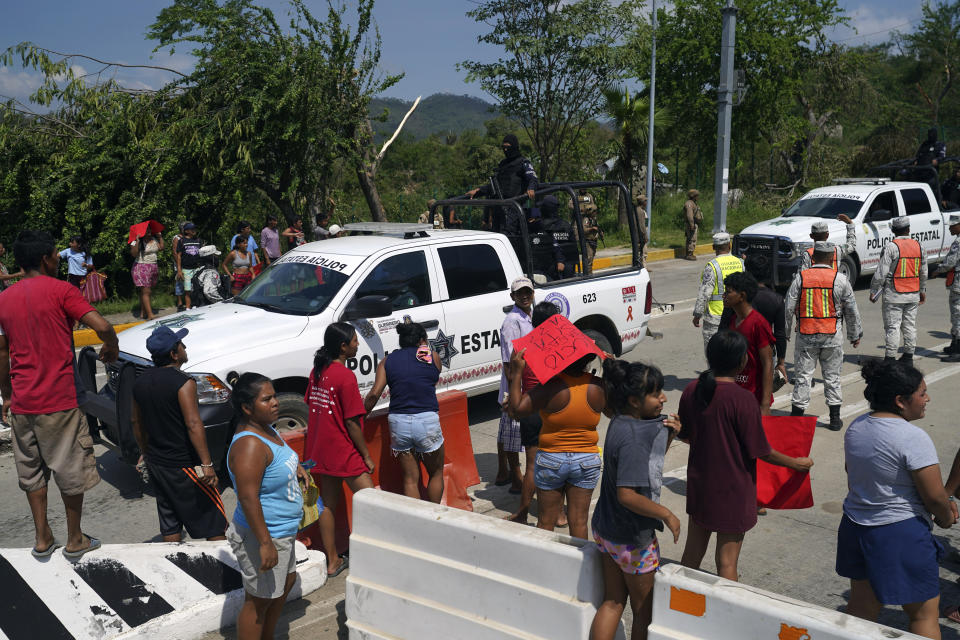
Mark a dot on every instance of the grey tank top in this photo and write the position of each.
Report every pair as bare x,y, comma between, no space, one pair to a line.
242,262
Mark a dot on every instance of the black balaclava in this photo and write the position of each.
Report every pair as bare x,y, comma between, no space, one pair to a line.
932,134
549,206
514,150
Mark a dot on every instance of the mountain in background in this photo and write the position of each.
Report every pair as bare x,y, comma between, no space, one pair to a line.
439,113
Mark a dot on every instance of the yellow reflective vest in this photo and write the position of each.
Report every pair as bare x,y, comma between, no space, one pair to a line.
722,267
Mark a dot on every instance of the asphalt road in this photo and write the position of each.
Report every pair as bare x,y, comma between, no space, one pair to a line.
789,552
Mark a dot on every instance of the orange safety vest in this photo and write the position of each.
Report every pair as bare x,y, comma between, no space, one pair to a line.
816,311
906,272
834,267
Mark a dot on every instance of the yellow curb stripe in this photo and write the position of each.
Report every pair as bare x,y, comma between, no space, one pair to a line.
653,255
88,337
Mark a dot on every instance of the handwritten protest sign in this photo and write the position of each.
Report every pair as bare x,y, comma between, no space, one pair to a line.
554,346
779,487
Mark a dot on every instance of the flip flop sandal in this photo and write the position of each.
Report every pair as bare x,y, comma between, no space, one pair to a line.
952,613
76,555
46,553
502,483
343,565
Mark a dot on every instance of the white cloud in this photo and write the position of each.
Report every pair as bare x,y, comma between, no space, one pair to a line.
870,23
18,84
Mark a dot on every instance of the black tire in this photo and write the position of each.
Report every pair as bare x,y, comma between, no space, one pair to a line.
293,412
848,267
596,365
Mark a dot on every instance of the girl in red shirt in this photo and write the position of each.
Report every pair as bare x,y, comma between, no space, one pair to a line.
335,441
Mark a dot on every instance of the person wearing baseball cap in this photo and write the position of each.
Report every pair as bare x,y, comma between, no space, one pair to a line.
517,323
820,322
173,443
951,266
820,232
901,277
709,305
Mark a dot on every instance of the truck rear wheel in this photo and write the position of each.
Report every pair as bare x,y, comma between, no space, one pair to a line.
596,365
293,412
848,267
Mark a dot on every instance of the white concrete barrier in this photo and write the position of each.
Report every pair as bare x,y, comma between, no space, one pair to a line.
690,605
126,591
419,570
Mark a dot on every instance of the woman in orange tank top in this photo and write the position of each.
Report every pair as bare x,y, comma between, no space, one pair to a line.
570,405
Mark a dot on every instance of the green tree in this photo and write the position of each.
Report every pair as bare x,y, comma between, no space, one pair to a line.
934,50
559,56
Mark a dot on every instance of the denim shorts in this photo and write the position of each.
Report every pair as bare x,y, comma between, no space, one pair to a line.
419,432
553,470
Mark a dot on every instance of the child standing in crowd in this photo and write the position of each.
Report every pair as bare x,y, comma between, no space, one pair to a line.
79,262
629,513
722,424
885,545
177,282
335,431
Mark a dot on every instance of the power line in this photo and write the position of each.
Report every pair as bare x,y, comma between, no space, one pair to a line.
874,33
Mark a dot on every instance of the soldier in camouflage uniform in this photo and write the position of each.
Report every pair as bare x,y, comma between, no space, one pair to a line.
901,277
951,266
819,331
591,227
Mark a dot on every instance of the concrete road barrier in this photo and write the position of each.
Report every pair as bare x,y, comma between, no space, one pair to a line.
692,605
126,591
419,570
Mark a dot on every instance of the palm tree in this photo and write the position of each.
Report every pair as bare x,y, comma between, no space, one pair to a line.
630,117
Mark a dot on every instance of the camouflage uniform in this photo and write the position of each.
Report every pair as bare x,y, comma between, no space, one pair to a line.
823,348
952,263
899,309
848,247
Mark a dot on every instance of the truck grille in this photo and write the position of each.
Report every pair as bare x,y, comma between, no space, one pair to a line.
113,368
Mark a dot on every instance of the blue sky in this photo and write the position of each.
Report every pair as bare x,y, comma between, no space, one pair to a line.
423,38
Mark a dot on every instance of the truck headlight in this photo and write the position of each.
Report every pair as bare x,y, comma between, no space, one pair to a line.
210,389
799,248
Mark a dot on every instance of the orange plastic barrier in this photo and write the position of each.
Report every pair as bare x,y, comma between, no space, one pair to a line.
459,469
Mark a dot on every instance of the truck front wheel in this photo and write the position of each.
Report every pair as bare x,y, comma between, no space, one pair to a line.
848,267
596,365
293,412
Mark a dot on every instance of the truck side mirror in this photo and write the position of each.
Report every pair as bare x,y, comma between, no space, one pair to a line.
368,307
880,215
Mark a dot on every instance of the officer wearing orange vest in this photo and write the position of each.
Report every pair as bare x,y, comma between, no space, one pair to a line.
821,299
820,232
901,277
951,265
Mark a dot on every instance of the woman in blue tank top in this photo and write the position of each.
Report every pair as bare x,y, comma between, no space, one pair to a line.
412,373
265,472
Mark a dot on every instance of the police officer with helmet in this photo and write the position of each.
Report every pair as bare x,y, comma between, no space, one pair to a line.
901,278
709,305
821,298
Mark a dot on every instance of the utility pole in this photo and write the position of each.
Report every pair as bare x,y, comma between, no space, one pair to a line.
725,112
653,87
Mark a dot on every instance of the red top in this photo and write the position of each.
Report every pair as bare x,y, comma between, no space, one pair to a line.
758,333
37,316
726,438
332,401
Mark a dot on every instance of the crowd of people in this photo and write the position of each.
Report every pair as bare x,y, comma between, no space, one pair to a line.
895,491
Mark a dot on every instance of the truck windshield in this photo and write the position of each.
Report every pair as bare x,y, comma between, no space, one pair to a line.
824,208
293,288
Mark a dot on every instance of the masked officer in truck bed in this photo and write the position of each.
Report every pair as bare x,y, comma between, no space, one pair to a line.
901,277
821,299
820,232
709,306
951,265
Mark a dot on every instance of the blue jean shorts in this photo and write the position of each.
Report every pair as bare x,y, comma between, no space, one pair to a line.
898,559
419,432
553,470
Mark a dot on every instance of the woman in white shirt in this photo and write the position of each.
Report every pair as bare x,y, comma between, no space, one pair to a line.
145,271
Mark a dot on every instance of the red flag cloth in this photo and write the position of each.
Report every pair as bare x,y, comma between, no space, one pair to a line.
779,487
141,229
554,346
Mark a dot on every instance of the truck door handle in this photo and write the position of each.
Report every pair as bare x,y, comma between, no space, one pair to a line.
934,222
430,324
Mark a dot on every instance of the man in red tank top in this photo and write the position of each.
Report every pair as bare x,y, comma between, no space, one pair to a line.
901,278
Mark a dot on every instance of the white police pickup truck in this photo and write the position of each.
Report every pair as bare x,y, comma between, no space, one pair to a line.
870,203
455,283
